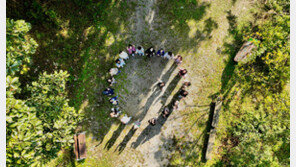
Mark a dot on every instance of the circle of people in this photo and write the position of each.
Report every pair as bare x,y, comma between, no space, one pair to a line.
149,53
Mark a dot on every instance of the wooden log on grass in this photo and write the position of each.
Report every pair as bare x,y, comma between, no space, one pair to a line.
80,146
214,125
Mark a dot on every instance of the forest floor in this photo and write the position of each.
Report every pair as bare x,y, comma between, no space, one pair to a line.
201,31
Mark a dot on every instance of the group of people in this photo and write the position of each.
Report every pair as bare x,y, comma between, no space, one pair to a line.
175,104
131,50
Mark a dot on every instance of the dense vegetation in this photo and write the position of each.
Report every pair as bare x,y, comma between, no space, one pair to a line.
39,122
259,131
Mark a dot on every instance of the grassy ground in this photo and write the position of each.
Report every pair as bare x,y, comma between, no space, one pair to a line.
85,42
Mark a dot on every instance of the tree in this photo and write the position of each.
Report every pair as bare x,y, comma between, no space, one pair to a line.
23,129
39,126
19,46
59,120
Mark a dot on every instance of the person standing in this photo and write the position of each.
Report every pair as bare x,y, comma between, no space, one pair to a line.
182,72
178,60
123,55
160,53
140,51
125,119
137,125
114,100
108,91
111,81
168,55
131,49
152,121
119,63
150,52
115,112
114,71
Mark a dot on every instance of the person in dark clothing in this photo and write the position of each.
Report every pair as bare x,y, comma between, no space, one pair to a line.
150,52
152,121
108,91
111,81
166,112
114,100
182,72
161,85
186,84
160,53
183,94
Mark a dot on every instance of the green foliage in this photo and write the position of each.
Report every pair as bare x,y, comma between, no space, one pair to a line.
37,127
58,118
260,135
264,135
19,46
23,129
269,69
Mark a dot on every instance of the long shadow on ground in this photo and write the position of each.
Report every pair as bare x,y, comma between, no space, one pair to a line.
151,131
151,100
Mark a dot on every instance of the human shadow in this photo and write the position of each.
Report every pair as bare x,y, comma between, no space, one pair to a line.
151,131
155,95
114,136
126,139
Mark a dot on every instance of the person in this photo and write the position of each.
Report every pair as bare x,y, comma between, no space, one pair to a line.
131,49
140,51
186,84
115,112
114,100
125,119
137,125
182,72
168,55
150,52
152,121
120,63
176,105
114,71
111,81
160,53
166,112
123,55
178,59
161,84
108,91
183,93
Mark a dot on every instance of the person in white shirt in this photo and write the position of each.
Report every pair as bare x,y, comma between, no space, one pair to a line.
168,55
125,119
123,55
114,71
